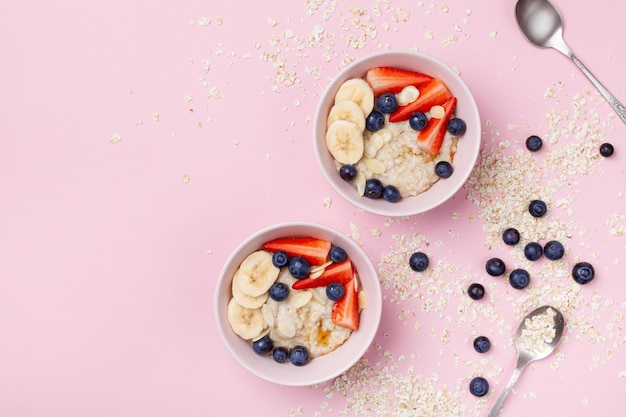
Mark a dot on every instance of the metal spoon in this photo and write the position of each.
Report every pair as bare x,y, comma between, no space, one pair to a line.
536,337
542,25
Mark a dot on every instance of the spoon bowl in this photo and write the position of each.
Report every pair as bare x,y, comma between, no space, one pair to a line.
542,25
536,337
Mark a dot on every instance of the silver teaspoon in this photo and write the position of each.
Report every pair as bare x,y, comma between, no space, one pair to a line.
542,25
537,336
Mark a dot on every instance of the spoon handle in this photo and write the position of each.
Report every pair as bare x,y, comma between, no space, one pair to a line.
617,106
496,408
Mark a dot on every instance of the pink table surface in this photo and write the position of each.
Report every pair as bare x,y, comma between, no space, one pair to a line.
143,141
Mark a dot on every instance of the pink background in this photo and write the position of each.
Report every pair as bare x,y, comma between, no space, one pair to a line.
143,141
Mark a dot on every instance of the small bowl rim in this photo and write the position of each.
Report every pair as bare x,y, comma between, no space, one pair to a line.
470,142
358,343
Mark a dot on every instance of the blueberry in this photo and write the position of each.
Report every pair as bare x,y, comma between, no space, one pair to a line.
418,120
443,169
391,194
299,267
387,103
279,291
347,172
337,254
511,236
476,291
553,250
482,344
263,346
495,267
537,208
419,261
456,126
583,272
280,259
533,251
606,150
280,354
519,278
299,355
479,386
373,188
335,291
534,143
375,121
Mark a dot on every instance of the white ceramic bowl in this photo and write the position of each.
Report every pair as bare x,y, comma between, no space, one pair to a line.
468,144
322,368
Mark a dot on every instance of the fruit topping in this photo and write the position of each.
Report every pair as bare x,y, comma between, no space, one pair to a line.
456,126
347,172
344,141
374,121
444,169
387,103
314,250
394,80
482,344
358,91
263,346
391,194
511,236
431,137
299,267
335,291
342,272
418,120
280,259
337,254
606,150
373,188
299,355
345,312
432,94
280,354
279,291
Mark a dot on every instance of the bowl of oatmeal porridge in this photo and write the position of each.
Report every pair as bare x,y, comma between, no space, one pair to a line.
297,303
412,145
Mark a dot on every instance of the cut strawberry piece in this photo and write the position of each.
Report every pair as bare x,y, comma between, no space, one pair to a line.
393,80
345,312
435,93
337,272
431,137
314,250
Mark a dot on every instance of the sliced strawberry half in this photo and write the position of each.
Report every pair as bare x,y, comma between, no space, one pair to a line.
431,137
393,80
337,272
314,250
435,93
345,312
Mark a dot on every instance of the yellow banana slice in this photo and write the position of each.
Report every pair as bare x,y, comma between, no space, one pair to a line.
346,110
245,300
247,323
257,273
359,91
345,142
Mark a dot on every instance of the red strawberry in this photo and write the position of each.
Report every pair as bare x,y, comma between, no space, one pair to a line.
431,137
345,312
393,80
337,272
435,93
314,250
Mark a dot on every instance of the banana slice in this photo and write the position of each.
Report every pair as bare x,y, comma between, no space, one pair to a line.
359,91
245,300
345,142
257,273
247,323
346,110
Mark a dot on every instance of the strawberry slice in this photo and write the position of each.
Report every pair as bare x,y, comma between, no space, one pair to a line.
431,137
393,80
435,93
314,250
345,312
337,272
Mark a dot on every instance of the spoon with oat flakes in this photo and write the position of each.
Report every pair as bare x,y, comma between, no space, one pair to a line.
537,336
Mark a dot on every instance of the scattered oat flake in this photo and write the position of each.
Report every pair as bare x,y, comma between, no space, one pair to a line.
204,21
328,202
493,34
186,178
115,139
